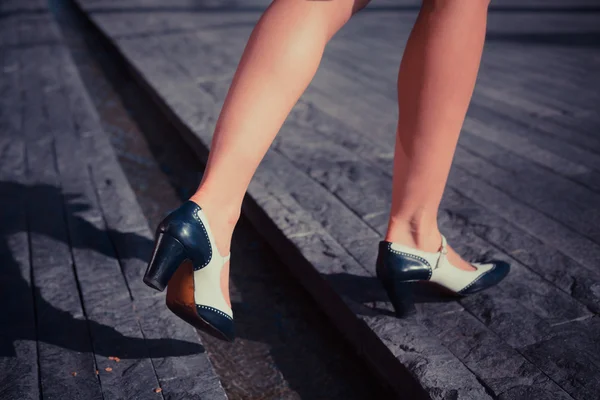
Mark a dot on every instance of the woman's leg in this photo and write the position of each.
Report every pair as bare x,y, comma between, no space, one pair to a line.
435,84
280,60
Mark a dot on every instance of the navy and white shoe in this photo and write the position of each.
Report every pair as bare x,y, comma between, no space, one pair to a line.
194,288
399,267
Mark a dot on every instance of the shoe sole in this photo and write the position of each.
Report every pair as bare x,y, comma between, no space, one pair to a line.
180,300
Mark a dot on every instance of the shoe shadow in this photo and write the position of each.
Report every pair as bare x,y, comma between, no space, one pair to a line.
24,319
368,292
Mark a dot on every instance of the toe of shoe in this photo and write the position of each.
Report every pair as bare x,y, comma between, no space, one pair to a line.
488,279
217,321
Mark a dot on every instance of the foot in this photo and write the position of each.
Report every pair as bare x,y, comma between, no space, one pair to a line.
198,291
222,222
429,242
457,261
400,267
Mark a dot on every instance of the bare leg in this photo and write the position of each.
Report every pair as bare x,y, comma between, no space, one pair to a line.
280,59
435,85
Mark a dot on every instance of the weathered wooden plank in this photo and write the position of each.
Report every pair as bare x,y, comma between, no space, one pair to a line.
568,133
502,48
19,375
64,341
10,115
57,364
547,69
24,6
137,25
574,162
382,74
375,46
569,355
106,298
8,33
541,98
535,187
37,29
509,376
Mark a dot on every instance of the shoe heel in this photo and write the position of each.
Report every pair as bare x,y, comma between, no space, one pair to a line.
167,256
401,295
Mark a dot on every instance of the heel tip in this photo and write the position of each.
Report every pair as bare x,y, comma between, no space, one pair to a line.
154,284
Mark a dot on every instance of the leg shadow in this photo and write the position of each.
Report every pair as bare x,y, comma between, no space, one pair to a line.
28,316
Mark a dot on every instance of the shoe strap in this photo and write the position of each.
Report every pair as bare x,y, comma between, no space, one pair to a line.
227,257
444,248
443,251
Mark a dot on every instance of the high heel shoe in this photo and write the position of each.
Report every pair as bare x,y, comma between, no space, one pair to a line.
194,292
400,267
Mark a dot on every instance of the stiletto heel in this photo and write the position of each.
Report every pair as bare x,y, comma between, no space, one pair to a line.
167,256
401,295
400,268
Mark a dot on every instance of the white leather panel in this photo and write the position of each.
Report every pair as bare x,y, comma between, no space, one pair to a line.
207,281
456,279
443,272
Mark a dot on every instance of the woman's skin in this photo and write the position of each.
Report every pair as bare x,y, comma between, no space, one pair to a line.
435,84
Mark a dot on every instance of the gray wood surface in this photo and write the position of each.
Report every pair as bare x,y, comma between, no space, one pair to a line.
524,184
74,244
18,347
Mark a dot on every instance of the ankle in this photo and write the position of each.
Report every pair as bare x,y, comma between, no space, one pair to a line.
420,234
222,219
223,213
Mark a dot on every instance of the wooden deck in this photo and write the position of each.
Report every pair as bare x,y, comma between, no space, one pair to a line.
77,322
